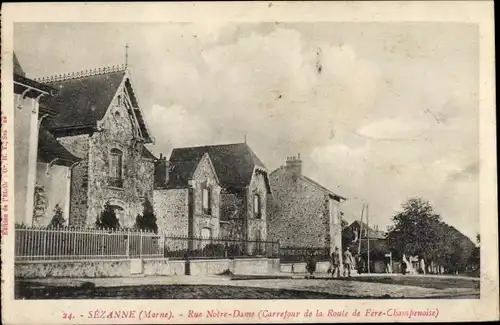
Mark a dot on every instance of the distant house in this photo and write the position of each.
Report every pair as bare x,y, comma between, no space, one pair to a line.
380,255
98,119
303,213
43,165
228,185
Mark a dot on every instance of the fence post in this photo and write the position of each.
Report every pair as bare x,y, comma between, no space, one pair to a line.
44,243
140,244
128,244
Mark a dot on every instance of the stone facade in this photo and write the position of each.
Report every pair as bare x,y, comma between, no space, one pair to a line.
78,145
302,213
204,177
237,210
172,205
91,188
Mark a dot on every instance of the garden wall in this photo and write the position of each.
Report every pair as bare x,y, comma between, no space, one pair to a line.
146,267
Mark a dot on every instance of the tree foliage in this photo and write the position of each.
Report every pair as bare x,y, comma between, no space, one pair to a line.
147,221
419,231
58,219
107,219
39,204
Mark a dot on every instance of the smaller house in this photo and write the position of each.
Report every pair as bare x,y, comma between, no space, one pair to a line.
304,214
356,235
213,191
188,203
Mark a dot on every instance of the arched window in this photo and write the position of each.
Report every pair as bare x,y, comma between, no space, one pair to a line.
115,174
257,209
207,200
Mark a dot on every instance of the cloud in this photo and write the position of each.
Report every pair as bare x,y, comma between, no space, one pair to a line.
176,127
378,122
393,129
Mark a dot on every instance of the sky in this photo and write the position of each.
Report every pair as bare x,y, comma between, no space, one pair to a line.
379,112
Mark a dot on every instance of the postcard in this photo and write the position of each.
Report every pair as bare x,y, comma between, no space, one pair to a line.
248,162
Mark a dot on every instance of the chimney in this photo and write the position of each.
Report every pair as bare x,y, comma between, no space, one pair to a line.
161,172
294,166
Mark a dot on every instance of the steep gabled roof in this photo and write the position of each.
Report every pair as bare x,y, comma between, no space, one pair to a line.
83,98
312,182
234,164
333,195
373,234
147,154
50,150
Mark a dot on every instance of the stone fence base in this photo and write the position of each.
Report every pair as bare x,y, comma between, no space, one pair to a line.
146,267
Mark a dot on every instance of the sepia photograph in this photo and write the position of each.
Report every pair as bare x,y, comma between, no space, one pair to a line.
245,160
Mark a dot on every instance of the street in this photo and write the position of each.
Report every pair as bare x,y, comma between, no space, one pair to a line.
223,287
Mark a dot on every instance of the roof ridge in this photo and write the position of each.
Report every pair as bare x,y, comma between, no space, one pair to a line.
81,74
210,145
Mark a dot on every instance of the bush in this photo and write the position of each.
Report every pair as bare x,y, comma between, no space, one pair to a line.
108,218
58,220
146,221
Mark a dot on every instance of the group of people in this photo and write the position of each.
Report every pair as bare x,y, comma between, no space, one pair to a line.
347,261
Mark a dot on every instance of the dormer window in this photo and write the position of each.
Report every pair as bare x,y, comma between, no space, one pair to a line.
115,174
207,200
257,206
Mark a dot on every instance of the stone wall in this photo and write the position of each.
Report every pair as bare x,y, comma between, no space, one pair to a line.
73,269
147,267
171,207
118,133
205,176
302,214
78,145
232,213
257,225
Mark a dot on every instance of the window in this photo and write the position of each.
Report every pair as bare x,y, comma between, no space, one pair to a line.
119,100
115,168
206,197
256,206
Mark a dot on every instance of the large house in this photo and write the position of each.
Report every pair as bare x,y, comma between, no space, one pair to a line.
303,214
43,166
95,127
213,191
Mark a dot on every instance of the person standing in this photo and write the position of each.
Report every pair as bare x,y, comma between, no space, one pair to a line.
347,262
335,262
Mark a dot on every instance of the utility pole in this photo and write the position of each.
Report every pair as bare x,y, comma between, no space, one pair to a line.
360,235
368,236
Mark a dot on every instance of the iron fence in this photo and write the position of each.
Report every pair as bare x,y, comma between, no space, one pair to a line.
33,243
299,254
181,247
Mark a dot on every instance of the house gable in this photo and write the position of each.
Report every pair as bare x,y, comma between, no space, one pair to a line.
83,100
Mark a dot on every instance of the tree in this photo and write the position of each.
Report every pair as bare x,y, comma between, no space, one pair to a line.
416,230
58,219
107,219
147,221
39,204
